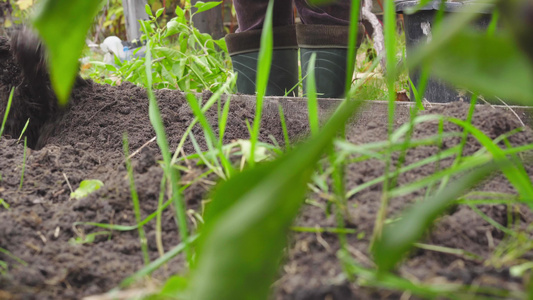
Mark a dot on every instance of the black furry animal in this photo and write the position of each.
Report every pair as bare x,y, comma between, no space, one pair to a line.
23,66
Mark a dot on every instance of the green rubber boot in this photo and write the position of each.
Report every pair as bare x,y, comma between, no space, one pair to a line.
244,51
330,43
330,71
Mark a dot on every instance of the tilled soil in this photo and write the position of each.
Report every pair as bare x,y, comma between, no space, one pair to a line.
84,141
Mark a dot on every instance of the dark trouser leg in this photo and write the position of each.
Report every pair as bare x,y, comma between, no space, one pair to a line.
324,32
251,13
337,13
243,48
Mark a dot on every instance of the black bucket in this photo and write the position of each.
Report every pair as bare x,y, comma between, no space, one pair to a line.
418,28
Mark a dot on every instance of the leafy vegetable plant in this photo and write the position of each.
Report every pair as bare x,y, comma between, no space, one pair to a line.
87,187
182,57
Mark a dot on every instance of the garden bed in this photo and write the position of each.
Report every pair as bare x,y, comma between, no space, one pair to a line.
85,142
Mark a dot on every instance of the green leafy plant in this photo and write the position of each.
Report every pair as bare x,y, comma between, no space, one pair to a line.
182,57
86,188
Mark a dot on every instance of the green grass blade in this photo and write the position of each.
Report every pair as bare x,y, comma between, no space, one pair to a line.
209,133
128,227
389,281
9,254
23,163
312,101
398,238
390,45
353,33
6,114
432,159
459,157
23,129
473,60
390,48
222,121
4,204
515,174
457,252
263,73
156,264
284,127
212,100
135,200
467,164
248,219
491,221
324,229
491,30
451,27
172,174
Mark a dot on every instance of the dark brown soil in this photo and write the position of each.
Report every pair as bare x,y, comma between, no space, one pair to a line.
84,141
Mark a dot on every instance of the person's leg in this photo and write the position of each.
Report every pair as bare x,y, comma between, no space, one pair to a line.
324,31
243,46
337,13
251,14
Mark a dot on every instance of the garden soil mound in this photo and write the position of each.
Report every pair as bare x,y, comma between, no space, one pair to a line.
43,226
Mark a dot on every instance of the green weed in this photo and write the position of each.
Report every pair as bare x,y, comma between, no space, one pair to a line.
88,238
23,163
4,265
4,203
172,175
182,57
135,200
8,108
86,187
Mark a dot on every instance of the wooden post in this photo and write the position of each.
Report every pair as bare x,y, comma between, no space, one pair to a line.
210,21
134,11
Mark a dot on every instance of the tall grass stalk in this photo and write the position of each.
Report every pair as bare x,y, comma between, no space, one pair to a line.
10,255
158,227
135,200
429,189
352,44
24,129
284,127
459,156
4,204
246,223
210,136
6,114
171,173
454,251
390,48
156,264
263,73
312,101
23,163
515,173
222,120
212,100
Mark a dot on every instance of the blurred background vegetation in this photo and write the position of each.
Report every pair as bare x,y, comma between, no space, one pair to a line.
209,73
110,21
